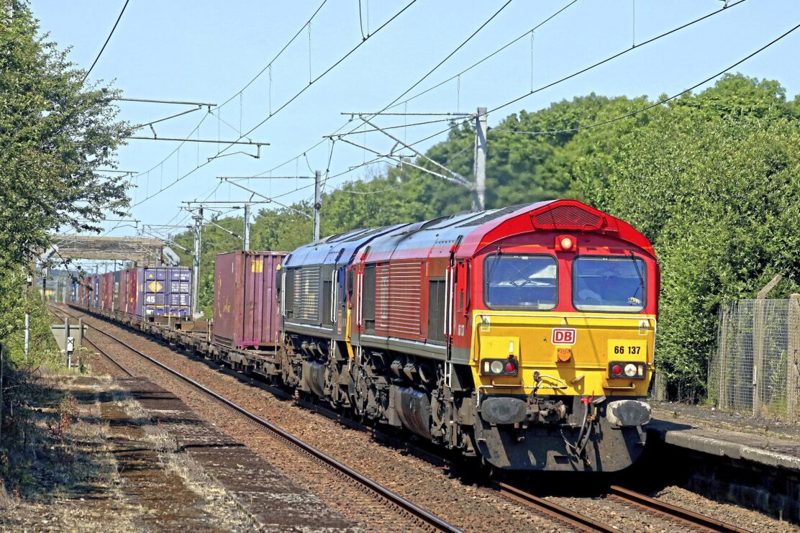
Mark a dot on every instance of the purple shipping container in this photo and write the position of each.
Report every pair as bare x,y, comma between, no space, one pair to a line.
163,292
245,299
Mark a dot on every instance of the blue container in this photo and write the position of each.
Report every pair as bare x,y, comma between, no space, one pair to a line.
164,292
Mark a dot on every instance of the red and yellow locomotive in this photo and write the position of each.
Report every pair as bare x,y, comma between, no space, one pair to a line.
522,335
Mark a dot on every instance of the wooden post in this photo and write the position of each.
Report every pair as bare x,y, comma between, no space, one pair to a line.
793,358
758,344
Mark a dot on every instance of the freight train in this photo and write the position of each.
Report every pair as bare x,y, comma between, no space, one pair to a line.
523,336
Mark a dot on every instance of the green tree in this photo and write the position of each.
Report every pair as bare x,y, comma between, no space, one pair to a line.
55,133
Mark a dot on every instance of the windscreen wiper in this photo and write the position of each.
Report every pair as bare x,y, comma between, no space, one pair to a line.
633,300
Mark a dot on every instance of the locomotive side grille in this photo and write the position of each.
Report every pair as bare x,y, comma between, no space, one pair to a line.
567,217
382,296
404,296
306,293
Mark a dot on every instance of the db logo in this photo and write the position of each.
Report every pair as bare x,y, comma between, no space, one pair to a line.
564,336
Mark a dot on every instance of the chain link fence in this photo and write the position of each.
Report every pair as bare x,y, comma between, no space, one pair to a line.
757,365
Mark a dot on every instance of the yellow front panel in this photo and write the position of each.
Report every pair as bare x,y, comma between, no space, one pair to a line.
570,351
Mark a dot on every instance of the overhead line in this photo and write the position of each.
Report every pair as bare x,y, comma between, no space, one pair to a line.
283,106
593,66
282,50
443,61
431,71
190,140
172,102
487,57
96,59
615,56
663,100
229,99
323,74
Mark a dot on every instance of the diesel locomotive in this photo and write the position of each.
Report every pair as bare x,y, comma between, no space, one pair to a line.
522,336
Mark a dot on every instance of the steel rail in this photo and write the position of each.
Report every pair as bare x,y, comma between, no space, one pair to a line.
552,510
388,494
105,354
690,517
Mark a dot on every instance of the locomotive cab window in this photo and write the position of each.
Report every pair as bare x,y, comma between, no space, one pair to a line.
520,281
614,284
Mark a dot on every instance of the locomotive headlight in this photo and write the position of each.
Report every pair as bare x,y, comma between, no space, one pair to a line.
500,367
625,369
566,243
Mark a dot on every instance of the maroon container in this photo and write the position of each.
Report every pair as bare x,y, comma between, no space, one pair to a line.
107,291
122,292
245,299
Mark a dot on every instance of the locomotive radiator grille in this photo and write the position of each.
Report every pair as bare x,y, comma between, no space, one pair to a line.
398,299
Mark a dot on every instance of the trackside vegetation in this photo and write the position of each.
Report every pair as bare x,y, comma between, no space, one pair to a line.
55,133
712,179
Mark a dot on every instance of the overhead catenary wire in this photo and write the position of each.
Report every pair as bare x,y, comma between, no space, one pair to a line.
615,56
592,66
411,88
283,106
100,53
441,62
272,61
486,57
661,101
326,71
237,93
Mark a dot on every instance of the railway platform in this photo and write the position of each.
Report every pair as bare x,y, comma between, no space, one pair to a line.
727,435
750,462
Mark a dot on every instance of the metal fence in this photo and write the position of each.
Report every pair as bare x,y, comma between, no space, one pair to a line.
757,365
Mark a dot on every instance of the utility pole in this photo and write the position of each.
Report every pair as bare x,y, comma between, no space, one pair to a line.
246,238
198,229
317,202
479,200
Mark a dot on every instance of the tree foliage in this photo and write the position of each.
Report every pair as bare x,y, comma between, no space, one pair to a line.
55,133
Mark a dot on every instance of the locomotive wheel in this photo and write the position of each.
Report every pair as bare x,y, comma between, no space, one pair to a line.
360,392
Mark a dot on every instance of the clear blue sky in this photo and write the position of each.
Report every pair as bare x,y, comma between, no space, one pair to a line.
206,50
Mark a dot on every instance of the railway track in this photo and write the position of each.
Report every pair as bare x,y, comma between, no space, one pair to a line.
570,518
682,518
417,513
680,515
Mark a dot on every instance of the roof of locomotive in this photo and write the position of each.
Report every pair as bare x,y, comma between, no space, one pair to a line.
469,233
336,249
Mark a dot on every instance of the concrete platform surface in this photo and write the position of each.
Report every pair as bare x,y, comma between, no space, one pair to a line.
723,434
